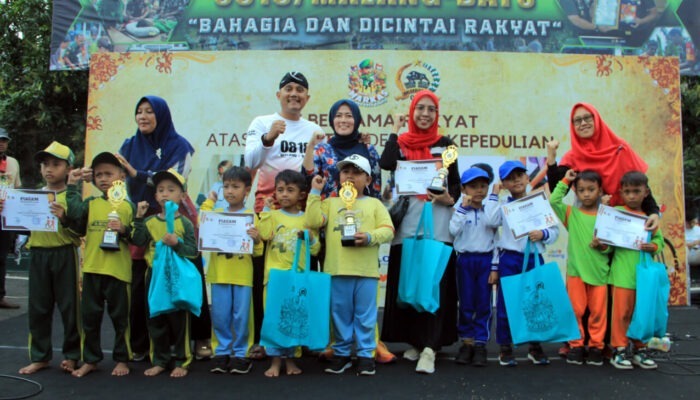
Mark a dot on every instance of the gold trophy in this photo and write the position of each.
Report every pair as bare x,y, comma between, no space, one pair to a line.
449,156
348,195
116,196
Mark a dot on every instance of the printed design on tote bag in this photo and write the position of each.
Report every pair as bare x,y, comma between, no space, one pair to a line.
294,315
538,309
172,276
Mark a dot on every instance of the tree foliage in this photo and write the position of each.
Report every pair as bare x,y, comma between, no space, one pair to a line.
690,93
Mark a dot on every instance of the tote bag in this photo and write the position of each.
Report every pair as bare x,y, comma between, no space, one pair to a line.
538,307
423,262
650,316
298,305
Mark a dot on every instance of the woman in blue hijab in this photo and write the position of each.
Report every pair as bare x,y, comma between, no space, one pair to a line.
321,158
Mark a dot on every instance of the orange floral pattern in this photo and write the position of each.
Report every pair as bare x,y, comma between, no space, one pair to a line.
605,65
94,122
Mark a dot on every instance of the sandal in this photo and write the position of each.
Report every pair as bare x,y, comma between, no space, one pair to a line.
257,352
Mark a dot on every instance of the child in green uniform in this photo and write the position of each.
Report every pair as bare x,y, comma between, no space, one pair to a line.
106,273
53,270
171,328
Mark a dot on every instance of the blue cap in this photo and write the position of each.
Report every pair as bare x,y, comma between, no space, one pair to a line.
474,173
508,167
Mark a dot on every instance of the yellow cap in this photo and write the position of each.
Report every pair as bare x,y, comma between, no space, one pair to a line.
58,150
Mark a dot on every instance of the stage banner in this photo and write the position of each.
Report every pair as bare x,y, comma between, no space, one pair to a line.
495,106
613,27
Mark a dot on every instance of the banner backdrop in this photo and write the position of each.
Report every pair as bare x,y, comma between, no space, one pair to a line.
615,27
496,106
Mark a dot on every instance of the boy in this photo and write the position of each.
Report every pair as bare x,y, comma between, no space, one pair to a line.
169,330
53,270
514,178
231,278
280,228
634,188
587,269
106,273
218,186
354,270
476,269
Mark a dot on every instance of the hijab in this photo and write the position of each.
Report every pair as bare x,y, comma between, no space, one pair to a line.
415,144
604,152
347,145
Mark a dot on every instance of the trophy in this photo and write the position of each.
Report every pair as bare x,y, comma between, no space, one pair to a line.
449,156
115,195
348,194
4,185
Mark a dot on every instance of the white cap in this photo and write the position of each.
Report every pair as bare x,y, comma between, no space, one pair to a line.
357,160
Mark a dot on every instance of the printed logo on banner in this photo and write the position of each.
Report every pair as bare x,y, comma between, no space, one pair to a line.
367,83
417,76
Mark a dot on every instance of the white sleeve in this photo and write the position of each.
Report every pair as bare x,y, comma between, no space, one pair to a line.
254,149
457,221
492,211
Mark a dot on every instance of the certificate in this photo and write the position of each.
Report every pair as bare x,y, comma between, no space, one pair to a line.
620,228
225,232
414,177
530,213
29,210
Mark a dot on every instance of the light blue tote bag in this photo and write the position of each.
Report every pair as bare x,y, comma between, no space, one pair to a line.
650,316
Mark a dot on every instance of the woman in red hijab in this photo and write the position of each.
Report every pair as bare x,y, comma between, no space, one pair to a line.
425,332
595,146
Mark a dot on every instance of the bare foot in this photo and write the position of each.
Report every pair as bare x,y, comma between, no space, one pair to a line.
291,367
84,370
33,367
154,370
68,365
121,369
274,370
179,372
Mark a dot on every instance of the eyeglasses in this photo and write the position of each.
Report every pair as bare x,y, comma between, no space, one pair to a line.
579,120
430,109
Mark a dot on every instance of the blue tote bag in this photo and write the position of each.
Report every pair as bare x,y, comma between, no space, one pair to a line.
298,305
159,299
538,307
423,262
650,316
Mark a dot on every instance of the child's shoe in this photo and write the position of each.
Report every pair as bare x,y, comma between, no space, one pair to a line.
426,363
202,350
595,357
412,354
642,360
241,365
220,365
506,357
338,365
365,366
465,355
575,356
479,359
536,355
620,359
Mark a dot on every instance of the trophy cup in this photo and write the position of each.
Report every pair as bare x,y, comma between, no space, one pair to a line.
449,156
4,185
115,195
348,194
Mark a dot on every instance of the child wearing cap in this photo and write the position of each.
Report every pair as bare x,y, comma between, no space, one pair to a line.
106,273
53,270
169,332
354,270
476,267
514,178
9,177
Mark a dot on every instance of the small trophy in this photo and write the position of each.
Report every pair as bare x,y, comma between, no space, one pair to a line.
449,156
115,195
348,194
4,185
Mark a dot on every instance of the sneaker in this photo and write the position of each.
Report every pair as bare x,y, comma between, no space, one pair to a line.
506,358
537,356
620,360
479,359
138,357
642,360
411,354
202,350
338,365
595,357
426,362
240,365
465,355
220,365
575,356
365,366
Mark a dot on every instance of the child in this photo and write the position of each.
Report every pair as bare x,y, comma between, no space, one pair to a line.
476,271
231,278
514,178
106,273
623,277
587,269
280,229
53,270
170,333
354,270
218,186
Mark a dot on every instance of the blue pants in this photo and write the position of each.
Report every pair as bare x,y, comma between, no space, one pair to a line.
474,292
230,313
510,263
354,311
